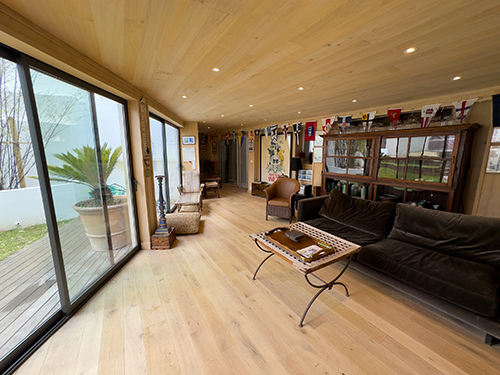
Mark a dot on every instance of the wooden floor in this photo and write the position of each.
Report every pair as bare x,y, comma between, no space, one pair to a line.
28,292
195,310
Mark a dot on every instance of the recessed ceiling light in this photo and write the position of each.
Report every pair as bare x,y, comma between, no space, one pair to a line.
204,121
457,78
184,97
265,119
410,50
221,115
300,88
241,124
354,101
215,69
209,127
251,105
299,112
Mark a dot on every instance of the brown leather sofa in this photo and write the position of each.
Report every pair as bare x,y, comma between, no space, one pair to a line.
446,261
279,198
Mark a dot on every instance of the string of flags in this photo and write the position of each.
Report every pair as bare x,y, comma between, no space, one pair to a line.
428,112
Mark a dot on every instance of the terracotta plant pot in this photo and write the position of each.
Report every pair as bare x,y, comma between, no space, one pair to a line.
93,222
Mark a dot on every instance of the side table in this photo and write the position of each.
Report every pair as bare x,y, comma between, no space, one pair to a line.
258,188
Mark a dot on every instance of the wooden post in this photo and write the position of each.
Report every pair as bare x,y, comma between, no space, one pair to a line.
17,152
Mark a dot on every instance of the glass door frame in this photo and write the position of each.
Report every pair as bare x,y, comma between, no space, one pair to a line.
68,308
166,181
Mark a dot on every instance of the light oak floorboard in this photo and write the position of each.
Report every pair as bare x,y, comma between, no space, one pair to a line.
195,309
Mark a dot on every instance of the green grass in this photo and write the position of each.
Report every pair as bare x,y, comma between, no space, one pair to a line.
14,240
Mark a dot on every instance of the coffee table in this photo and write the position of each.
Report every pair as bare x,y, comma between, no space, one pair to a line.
342,249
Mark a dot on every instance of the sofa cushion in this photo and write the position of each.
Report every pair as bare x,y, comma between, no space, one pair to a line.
469,237
374,218
346,232
471,285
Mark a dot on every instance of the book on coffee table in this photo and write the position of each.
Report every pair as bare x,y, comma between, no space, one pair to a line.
307,248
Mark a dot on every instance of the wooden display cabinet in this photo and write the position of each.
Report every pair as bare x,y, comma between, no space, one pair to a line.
427,166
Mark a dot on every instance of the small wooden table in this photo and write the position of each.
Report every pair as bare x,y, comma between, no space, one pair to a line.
342,249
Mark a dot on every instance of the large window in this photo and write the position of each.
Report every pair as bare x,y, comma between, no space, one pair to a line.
166,158
426,159
67,211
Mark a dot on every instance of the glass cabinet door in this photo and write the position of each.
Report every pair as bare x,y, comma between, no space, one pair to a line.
421,159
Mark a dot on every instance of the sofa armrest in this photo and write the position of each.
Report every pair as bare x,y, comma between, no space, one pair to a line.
308,209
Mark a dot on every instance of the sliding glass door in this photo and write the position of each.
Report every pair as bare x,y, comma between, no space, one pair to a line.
28,289
67,205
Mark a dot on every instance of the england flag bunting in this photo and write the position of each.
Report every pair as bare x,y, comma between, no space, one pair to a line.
462,108
327,124
284,127
296,128
274,133
428,113
367,119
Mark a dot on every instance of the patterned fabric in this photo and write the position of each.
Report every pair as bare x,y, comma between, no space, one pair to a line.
191,198
191,182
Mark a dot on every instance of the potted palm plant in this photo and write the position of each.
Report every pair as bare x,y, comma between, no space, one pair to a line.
80,167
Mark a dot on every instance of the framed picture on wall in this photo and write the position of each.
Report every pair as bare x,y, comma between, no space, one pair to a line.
275,157
189,140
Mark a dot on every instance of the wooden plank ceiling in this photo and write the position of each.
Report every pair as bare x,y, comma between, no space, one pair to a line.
337,50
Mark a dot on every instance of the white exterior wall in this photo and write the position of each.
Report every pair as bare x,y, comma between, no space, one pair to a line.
24,206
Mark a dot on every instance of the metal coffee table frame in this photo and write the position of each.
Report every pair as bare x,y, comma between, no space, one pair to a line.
344,250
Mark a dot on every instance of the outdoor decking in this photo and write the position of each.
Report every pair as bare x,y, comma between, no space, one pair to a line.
28,289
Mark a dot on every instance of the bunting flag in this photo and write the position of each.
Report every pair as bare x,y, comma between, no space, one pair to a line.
250,135
367,119
240,136
462,108
310,131
346,121
284,127
296,128
327,124
274,133
227,138
428,113
203,139
257,132
234,135
266,132
394,114
339,121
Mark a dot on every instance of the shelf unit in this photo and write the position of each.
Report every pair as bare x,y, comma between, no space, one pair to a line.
427,166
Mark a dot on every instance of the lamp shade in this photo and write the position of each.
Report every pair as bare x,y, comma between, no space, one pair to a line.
295,164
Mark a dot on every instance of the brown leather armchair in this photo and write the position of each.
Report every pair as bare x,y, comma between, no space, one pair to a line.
279,198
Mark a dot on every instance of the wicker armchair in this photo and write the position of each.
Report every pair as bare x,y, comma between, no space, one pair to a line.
279,198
